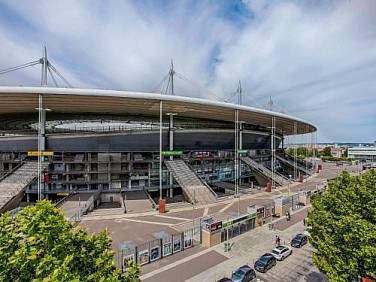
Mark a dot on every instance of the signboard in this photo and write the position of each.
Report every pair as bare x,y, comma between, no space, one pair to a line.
215,226
41,153
242,152
62,194
171,153
237,220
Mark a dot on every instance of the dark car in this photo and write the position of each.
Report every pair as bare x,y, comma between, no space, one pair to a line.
243,274
265,262
299,240
225,279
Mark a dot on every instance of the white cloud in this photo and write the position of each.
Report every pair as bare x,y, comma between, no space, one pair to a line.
315,58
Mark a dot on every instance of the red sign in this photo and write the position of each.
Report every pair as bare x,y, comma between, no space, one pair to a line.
215,226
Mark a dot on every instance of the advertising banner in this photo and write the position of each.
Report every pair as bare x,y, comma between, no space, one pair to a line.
177,245
155,253
167,249
127,260
188,242
143,257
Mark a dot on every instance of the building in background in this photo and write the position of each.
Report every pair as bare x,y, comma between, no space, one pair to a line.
363,153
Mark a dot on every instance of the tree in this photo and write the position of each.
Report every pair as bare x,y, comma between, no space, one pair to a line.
38,244
343,221
326,152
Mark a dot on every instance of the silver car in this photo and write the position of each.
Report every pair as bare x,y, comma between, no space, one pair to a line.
281,252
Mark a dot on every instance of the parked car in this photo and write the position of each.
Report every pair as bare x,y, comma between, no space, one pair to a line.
225,279
299,240
244,274
281,252
265,262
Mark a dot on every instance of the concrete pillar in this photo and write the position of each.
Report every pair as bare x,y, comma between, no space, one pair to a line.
171,147
241,136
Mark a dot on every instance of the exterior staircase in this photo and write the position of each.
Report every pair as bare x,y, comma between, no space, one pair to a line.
13,185
196,190
291,163
105,212
278,178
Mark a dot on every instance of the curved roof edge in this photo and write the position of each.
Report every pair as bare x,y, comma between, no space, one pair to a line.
148,96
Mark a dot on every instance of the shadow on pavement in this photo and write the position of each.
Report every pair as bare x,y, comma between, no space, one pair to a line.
316,277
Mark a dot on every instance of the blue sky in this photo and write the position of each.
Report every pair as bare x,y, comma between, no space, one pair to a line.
317,59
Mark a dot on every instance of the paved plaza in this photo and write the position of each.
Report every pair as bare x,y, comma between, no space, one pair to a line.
200,264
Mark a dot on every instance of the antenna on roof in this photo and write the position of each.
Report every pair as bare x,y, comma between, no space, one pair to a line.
44,61
171,78
270,103
47,68
240,92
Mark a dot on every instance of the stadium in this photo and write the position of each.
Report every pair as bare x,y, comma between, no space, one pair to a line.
115,142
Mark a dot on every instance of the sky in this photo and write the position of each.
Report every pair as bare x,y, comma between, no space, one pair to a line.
316,59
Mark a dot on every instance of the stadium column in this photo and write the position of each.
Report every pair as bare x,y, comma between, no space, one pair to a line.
295,151
236,158
41,143
273,151
171,146
160,148
240,148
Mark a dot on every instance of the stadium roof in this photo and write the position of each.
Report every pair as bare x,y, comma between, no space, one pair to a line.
79,101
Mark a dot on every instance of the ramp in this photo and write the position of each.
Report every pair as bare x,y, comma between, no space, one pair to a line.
13,185
291,163
196,190
279,179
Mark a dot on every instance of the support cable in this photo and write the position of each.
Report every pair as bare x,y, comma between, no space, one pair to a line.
52,76
159,86
30,64
59,75
182,77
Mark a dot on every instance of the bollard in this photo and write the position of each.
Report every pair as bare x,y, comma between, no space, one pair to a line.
162,206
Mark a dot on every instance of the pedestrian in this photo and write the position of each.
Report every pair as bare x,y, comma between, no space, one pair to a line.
278,241
304,222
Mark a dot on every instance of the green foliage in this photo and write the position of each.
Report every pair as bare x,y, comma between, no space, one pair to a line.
334,159
302,152
40,245
343,233
326,152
